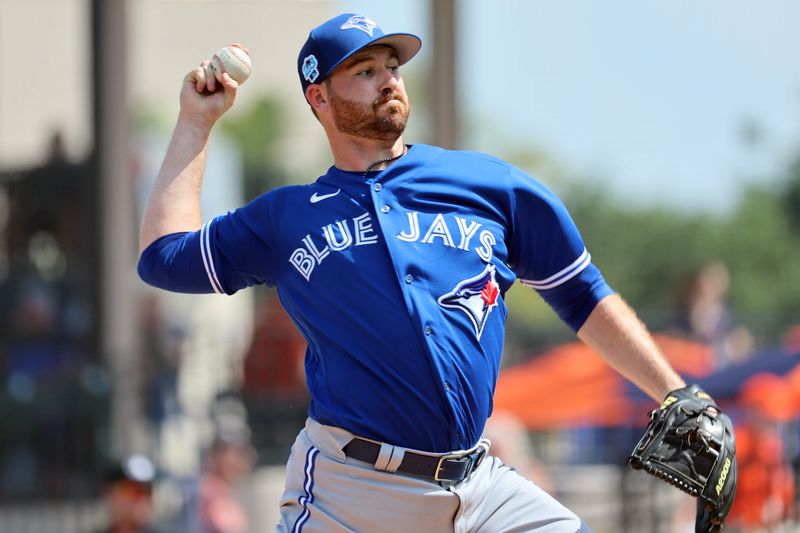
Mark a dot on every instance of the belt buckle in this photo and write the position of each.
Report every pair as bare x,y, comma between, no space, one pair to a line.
450,457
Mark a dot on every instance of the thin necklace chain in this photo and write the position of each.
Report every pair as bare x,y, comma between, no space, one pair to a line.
386,160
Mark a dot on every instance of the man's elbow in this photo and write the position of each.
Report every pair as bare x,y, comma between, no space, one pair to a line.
157,260
151,266
174,263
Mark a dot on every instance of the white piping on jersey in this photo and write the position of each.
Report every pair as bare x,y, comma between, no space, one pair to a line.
563,276
208,260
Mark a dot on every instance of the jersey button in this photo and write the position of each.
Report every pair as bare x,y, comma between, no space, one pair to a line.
409,278
378,187
385,209
428,330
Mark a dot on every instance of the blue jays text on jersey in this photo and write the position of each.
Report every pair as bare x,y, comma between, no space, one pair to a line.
338,236
396,280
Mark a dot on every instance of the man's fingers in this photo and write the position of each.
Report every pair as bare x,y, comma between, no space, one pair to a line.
197,77
204,80
211,80
230,87
228,82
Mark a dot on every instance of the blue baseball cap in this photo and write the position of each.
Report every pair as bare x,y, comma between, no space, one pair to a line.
330,43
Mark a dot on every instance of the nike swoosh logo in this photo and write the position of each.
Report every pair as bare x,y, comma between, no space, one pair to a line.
319,197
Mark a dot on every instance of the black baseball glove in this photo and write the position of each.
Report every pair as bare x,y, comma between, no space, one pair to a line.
689,443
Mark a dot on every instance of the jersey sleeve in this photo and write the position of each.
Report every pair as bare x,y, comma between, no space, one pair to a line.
548,254
229,253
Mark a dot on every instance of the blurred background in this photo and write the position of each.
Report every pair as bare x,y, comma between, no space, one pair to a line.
670,130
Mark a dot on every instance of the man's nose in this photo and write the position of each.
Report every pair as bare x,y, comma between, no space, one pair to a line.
390,79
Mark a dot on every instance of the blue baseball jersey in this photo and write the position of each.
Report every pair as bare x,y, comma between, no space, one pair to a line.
396,279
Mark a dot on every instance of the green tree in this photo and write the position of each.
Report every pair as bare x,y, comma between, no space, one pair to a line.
257,130
791,197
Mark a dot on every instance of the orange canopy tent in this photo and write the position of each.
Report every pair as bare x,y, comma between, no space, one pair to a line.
775,397
571,385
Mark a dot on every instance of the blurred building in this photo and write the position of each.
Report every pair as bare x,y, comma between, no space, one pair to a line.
182,350
47,81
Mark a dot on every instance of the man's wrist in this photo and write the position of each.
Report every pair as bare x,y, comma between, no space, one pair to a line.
194,123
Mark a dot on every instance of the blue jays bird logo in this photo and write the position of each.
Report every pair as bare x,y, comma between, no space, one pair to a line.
476,296
359,22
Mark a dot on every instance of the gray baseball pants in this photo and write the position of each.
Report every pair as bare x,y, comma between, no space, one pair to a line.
329,492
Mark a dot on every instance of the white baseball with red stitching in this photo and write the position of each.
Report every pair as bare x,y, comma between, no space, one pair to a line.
233,59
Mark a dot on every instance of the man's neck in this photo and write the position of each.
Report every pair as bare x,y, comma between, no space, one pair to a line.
357,155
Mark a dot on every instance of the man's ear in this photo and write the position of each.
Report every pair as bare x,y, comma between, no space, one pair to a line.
316,96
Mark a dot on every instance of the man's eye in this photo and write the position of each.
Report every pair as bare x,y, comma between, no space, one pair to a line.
365,72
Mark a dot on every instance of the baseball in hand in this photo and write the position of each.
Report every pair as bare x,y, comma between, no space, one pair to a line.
233,59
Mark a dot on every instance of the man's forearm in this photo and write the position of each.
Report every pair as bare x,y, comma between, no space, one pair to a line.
174,202
617,335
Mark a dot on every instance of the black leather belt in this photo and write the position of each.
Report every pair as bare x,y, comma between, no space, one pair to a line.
448,469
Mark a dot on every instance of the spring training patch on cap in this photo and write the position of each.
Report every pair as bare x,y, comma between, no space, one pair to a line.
359,22
310,68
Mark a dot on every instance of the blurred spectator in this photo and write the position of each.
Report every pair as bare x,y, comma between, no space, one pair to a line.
510,442
705,315
38,350
231,458
765,494
273,366
162,346
47,278
40,368
791,340
274,384
128,494
213,504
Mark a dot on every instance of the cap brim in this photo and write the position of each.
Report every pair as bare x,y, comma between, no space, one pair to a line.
405,44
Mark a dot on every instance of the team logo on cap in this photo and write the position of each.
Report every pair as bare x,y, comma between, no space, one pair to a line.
359,22
311,68
476,296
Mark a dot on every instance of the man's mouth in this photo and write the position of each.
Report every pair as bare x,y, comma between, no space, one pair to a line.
392,102
387,99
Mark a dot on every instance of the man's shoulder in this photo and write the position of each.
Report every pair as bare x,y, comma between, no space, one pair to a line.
286,193
481,171
467,157
276,205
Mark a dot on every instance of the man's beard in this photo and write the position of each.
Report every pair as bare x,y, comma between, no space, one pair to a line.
362,120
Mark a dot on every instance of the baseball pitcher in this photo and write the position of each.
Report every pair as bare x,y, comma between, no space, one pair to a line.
394,265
